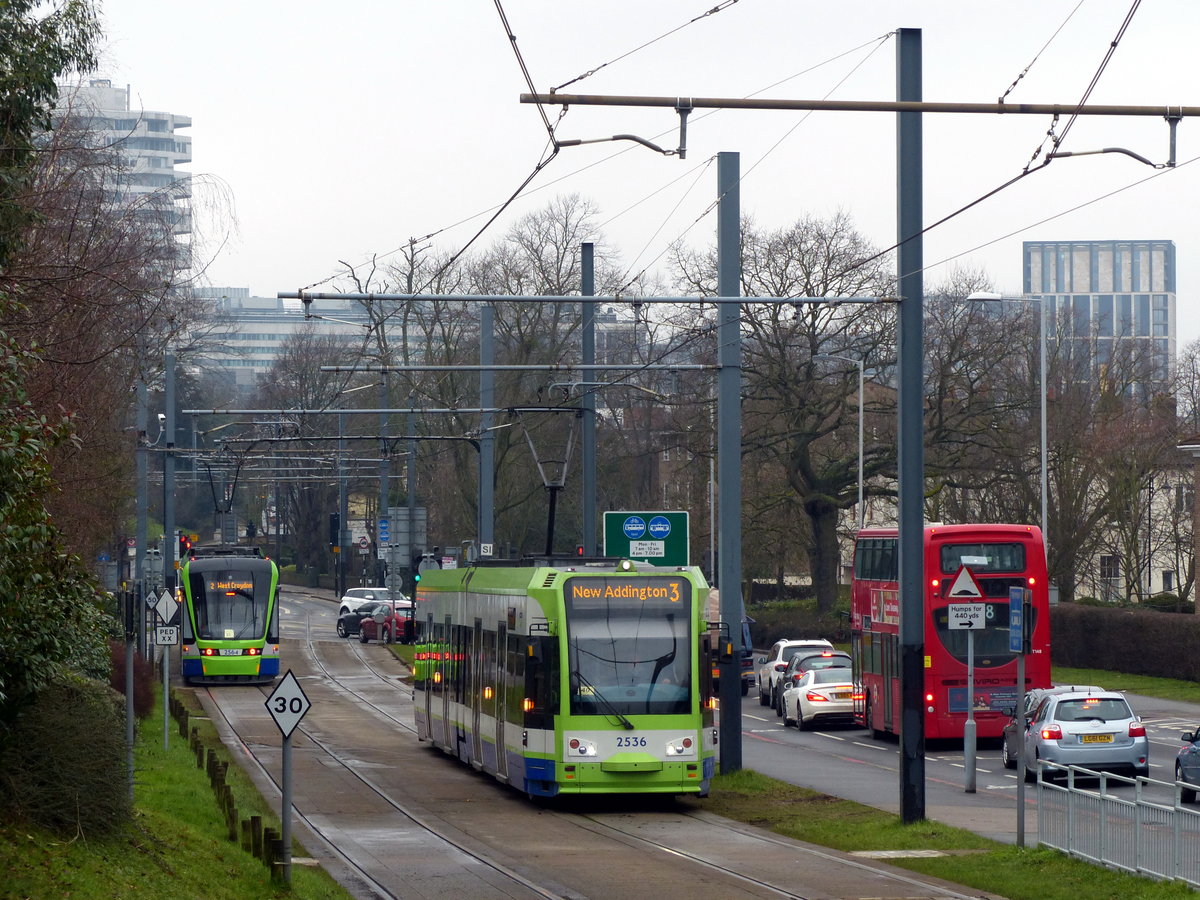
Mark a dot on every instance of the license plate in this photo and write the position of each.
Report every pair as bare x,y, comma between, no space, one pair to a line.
226,651
1095,739
843,695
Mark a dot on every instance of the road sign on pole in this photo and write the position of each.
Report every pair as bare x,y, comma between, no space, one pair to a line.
287,704
166,635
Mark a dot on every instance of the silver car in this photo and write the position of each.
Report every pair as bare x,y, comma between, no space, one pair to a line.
1187,766
1093,729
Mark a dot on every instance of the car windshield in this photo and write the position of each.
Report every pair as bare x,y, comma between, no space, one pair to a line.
365,609
1106,709
823,662
829,676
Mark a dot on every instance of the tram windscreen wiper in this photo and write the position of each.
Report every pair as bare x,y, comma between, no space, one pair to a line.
602,700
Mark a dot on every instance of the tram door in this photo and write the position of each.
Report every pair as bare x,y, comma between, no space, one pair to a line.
444,666
475,691
430,641
500,664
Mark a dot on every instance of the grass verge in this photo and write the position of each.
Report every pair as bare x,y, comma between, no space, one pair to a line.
175,846
971,860
1147,685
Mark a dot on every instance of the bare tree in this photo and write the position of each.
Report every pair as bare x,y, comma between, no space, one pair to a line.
795,417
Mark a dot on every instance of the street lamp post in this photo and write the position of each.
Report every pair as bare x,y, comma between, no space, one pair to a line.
861,401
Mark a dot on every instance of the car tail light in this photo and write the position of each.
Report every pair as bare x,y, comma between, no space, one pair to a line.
814,697
796,676
1052,733
1137,729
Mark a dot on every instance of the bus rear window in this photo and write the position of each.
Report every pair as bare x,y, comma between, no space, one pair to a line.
983,557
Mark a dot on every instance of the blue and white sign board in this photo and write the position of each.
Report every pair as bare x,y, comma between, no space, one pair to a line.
1016,619
384,532
658,538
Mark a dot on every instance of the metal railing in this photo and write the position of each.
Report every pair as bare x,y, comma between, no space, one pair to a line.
1135,833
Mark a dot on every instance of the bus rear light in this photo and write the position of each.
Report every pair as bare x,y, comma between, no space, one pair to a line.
929,698
1137,729
1052,733
1032,581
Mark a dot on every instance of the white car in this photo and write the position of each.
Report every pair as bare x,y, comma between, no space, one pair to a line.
771,666
820,694
356,597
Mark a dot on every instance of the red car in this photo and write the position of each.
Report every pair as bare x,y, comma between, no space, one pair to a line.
396,623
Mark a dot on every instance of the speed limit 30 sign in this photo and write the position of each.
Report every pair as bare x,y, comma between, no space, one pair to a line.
287,704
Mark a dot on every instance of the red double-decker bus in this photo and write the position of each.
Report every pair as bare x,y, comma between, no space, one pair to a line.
999,557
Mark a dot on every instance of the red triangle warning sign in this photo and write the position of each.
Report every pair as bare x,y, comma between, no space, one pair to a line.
965,586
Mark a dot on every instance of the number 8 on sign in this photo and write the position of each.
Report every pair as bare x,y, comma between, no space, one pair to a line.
287,704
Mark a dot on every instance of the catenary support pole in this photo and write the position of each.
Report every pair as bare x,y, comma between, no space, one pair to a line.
729,454
487,437
910,446
141,528
588,400
170,545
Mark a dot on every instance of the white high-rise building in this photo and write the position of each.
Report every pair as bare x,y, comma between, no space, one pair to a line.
148,148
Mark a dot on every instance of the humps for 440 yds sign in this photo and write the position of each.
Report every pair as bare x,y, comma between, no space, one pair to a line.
658,538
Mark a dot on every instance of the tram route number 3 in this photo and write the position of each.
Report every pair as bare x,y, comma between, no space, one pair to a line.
287,704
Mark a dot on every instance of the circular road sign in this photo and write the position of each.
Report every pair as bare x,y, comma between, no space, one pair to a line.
363,542
634,527
660,527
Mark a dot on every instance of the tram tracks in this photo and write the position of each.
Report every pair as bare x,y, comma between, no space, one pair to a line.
708,849
315,822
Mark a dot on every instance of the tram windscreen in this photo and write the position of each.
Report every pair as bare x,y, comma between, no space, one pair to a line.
629,642
229,606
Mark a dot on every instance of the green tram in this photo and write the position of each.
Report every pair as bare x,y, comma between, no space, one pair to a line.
230,618
562,677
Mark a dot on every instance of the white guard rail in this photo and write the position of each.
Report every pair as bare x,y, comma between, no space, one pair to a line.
1126,830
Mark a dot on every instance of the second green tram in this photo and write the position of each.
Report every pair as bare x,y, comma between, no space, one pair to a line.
561,678
229,620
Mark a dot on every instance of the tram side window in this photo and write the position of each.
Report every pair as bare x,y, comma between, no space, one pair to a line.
541,680
515,683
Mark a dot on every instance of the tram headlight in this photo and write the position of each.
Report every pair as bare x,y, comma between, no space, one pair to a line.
683,746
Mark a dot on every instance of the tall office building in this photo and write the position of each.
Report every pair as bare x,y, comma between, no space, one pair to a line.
147,147
1102,293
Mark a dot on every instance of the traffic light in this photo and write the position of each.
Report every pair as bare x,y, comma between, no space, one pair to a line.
335,525
185,546
416,569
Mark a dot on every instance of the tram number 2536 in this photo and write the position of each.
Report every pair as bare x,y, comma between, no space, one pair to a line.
630,741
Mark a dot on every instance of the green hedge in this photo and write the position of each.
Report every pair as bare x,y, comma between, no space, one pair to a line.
1137,641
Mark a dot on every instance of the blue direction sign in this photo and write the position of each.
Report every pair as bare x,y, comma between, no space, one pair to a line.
1016,619
385,531
659,527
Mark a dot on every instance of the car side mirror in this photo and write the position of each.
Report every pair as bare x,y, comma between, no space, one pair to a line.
762,660
1010,711
1188,737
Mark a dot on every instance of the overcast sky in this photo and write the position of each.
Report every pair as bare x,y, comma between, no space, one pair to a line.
340,131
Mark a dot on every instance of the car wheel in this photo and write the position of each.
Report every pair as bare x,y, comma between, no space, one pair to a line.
745,689
763,699
362,635
1186,795
1010,761
788,721
1031,773
801,725
342,632
779,701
